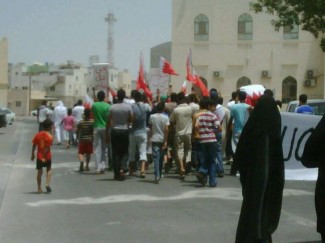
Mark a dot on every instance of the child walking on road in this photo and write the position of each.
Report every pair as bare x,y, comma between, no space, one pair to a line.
43,141
68,124
85,135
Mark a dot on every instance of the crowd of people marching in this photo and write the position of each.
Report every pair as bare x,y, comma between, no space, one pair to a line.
184,131
188,132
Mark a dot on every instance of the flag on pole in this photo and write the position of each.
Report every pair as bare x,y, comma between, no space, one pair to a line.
201,85
189,68
193,77
166,67
141,83
183,89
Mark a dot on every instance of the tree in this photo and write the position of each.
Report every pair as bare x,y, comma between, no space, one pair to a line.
309,14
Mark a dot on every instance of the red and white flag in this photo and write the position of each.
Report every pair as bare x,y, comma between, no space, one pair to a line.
193,77
183,89
189,68
110,94
166,67
141,83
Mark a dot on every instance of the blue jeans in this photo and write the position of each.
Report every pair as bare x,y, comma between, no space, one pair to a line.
219,153
158,158
208,156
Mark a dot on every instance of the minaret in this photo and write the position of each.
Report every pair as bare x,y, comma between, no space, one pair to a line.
110,19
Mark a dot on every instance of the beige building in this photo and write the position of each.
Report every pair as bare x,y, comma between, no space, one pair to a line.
231,47
3,71
124,81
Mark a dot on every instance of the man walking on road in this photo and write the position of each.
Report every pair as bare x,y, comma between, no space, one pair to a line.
182,119
117,133
100,110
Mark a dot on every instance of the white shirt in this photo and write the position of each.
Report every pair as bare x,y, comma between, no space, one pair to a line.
77,112
43,114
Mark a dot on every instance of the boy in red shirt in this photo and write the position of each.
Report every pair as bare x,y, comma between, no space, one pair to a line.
43,141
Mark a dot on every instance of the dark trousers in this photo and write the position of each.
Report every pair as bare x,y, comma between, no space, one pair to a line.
120,150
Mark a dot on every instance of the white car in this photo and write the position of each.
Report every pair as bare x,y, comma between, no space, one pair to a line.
317,104
10,116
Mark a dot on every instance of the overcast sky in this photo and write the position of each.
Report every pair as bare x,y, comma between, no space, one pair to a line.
56,31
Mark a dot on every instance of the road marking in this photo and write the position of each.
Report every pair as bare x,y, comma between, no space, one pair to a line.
290,174
219,193
113,223
299,220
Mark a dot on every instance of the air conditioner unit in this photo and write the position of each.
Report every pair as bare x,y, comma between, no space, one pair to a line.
265,74
310,83
216,74
310,74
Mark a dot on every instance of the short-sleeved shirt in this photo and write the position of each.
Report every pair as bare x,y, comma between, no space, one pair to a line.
43,113
77,112
206,123
305,109
85,130
43,140
182,117
139,125
240,114
120,113
100,111
158,123
68,123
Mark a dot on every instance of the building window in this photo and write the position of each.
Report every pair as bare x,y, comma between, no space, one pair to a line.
291,33
18,103
289,89
245,27
243,81
16,73
70,86
77,78
52,88
201,28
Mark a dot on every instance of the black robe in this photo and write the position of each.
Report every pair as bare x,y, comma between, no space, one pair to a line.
261,167
313,157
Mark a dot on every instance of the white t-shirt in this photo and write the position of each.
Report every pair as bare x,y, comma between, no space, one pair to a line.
158,123
77,112
43,113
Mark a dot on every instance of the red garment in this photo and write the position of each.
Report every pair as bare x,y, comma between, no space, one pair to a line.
43,140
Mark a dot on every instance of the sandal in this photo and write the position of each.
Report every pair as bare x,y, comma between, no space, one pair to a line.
142,175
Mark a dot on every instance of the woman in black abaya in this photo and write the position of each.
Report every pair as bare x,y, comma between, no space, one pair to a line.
261,167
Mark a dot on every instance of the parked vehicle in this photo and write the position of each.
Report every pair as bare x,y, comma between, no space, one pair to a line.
3,121
10,116
317,104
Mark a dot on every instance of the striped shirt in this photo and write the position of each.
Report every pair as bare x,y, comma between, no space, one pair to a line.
85,130
206,123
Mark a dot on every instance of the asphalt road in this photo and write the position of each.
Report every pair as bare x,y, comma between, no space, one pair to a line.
95,208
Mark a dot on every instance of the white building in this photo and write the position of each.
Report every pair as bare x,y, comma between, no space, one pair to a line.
3,71
231,47
71,84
